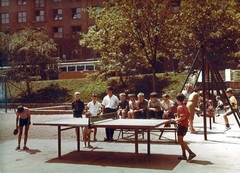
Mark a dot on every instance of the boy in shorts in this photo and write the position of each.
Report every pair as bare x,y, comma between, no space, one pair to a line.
22,119
87,133
182,116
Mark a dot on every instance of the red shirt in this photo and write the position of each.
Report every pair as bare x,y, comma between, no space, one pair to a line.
182,111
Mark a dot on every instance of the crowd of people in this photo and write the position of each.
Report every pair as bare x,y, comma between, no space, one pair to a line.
182,112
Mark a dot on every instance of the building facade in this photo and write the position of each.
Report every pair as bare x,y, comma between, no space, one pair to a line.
63,21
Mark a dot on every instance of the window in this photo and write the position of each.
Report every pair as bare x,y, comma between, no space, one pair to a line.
39,15
80,68
71,68
57,0
22,2
63,68
22,17
76,13
175,6
5,3
89,67
57,32
76,30
39,3
57,14
4,18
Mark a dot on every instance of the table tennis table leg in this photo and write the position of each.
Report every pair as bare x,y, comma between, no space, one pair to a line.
136,140
59,141
78,138
148,141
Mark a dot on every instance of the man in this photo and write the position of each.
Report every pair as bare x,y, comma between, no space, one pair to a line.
109,104
233,107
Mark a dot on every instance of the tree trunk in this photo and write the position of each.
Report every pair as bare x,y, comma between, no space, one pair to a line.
154,79
28,86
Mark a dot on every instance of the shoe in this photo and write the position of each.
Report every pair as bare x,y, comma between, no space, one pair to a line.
105,139
191,156
17,148
111,140
95,139
90,146
182,157
194,132
228,128
25,148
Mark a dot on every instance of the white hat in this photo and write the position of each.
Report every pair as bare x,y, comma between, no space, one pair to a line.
77,93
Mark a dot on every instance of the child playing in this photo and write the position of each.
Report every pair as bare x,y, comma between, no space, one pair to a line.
182,116
23,119
210,109
87,133
220,105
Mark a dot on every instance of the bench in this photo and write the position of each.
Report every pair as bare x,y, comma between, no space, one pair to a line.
160,129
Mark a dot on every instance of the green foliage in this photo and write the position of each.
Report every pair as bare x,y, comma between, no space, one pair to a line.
211,25
129,34
62,91
30,53
51,94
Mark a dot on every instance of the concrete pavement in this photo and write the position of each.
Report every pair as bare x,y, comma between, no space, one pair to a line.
220,153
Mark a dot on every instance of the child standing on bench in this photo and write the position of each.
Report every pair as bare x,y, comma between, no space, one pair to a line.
182,116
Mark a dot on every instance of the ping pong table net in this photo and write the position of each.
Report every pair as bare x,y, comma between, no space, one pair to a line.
101,118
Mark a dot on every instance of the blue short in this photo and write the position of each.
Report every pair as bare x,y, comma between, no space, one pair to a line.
23,122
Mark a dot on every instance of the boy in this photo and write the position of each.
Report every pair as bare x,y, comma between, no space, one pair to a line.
233,102
78,108
182,116
220,105
23,119
123,106
87,133
94,107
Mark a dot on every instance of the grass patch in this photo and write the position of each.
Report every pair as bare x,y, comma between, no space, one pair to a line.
62,91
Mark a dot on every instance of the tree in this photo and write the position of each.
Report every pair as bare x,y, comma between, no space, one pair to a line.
213,26
130,34
30,53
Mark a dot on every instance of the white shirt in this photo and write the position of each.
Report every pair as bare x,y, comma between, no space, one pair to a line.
167,106
110,102
94,109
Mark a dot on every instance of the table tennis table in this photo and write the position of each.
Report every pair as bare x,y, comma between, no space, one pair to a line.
135,124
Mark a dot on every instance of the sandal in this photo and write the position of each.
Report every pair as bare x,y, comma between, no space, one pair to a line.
182,157
191,156
17,148
25,148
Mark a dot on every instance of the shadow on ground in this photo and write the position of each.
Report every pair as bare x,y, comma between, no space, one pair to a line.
129,160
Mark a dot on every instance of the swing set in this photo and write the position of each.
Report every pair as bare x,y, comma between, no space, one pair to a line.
211,83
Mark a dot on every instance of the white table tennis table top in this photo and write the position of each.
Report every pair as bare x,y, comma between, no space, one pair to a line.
121,123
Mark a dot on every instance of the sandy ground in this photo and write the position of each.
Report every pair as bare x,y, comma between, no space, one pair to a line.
220,153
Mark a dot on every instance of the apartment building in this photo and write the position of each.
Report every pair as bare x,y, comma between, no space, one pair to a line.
63,20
